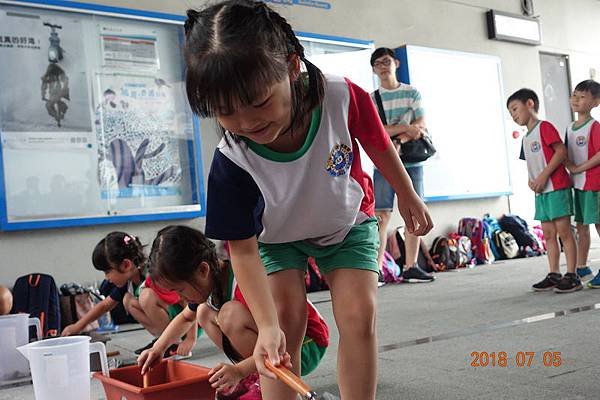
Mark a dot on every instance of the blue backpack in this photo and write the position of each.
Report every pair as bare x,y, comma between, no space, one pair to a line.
37,295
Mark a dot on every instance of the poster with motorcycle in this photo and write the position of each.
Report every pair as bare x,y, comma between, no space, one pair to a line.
44,99
137,125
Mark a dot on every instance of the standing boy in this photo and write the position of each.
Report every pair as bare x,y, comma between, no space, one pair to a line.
583,143
405,120
545,153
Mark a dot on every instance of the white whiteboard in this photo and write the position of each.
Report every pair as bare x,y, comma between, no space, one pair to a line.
464,110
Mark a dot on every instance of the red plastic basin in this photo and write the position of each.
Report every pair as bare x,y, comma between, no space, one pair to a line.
172,380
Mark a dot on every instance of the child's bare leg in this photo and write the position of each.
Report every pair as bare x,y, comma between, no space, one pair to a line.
237,324
207,318
563,228
289,293
150,311
583,244
354,296
551,245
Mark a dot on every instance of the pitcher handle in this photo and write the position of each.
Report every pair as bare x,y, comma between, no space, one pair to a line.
98,347
38,326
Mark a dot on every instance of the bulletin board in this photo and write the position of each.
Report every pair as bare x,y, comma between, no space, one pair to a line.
94,122
464,107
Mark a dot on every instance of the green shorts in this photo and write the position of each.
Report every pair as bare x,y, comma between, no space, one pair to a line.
311,355
552,205
358,250
587,207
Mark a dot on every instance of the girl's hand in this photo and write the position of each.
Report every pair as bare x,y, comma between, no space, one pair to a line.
415,215
269,344
70,330
185,347
149,358
224,377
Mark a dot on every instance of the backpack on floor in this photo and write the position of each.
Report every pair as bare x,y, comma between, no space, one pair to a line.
390,271
506,244
37,295
463,246
492,226
474,229
517,227
441,253
538,233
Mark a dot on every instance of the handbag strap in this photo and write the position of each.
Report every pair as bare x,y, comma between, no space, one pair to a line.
380,109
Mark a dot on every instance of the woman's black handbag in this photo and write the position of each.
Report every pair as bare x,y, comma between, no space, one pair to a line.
414,150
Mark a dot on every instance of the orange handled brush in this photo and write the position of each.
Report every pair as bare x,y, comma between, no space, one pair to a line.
293,381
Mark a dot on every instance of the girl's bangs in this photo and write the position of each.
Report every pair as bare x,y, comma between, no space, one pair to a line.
220,83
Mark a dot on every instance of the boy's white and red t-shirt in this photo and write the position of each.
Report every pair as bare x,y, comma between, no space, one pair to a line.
316,194
537,151
584,143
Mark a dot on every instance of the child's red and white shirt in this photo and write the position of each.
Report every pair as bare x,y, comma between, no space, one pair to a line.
583,143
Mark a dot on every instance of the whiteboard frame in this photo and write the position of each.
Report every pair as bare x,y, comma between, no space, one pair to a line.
403,75
198,209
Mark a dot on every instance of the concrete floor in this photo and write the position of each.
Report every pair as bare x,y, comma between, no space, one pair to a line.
427,333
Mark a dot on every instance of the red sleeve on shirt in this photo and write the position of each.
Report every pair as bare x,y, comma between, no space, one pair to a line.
363,119
549,134
594,139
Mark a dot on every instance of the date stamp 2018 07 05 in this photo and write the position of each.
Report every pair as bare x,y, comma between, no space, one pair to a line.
521,359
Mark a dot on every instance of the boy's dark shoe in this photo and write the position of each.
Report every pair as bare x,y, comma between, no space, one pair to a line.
416,274
548,283
569,283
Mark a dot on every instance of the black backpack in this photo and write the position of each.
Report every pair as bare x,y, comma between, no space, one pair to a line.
517,227
37,295
443,254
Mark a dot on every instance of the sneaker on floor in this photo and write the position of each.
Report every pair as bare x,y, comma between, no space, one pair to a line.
146,347
548,283
416,274
595,283
569,283
585,273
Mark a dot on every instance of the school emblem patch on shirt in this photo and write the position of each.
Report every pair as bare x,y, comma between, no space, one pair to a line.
340,160
580,141
535,147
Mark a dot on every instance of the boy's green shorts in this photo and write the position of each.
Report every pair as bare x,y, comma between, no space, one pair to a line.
311,355
587,207
552,205
358,250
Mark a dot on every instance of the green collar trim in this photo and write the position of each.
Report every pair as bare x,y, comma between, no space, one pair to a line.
576,128
272,155
535,126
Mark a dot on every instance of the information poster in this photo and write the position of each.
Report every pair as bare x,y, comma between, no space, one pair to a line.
136,125
44,100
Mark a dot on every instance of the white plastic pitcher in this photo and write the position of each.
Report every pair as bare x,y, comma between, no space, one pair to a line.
60,367
14,332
